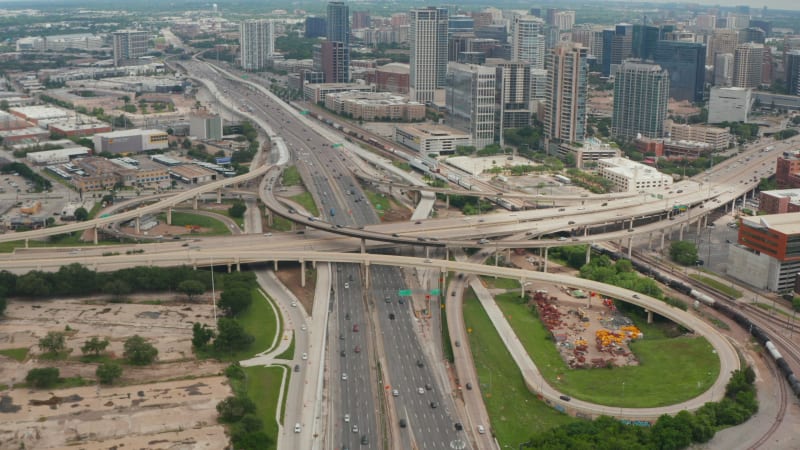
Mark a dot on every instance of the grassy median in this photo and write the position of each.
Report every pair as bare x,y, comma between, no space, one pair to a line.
515,412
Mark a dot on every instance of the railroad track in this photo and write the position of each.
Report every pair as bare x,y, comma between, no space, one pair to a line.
783,401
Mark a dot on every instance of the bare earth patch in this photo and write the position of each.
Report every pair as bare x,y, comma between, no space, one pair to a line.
143,409
289,275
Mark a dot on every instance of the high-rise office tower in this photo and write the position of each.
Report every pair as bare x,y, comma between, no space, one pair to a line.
763,24
361,20
705,22
737,21
513,82
336,51
527,41
748,60
564,20
722,41
641,95
460,24
723,69
427,38
791,70
538,92
129,44
685,63
315,27
644,41
621,44
470,101
256,43
567,84
590,37
751,34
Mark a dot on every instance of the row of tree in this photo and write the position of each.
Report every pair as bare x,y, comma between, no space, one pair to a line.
78,280
668,433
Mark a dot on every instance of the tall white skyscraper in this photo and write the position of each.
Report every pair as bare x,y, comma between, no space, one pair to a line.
257,43
567,89
527,41
427,37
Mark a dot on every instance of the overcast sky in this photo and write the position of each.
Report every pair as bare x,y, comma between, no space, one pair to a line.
754,4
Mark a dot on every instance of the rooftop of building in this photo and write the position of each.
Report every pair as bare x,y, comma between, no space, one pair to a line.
126,133
41,112
395,68
191,171
323,86
628,168
791,193
380,98
788,224
432,130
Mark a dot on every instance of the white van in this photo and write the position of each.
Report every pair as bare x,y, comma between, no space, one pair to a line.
297,427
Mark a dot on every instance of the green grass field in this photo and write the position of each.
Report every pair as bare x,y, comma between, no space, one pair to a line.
260,321
690,362
18,354
281,224
515,412
291,177
718,285
307,201
379,202
263,387
182,219
500,283
288,354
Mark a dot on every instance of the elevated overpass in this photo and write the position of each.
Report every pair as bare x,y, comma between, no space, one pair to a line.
729,360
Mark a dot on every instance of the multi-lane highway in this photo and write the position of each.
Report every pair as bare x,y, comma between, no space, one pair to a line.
374,341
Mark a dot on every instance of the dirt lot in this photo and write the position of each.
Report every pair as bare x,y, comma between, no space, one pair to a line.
587,333
160,414
169,415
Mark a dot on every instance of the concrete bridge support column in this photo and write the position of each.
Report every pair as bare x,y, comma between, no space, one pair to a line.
680,232
302,273
447,253
363,245
650,241
630,247
96,233
522,287
229,267
649,316
663,235
194,265
26,242
508,255
588,253
447,201
545,260
169,215
194,203
733,206
275,265
138,224
269,218
238,265
366,275
219,195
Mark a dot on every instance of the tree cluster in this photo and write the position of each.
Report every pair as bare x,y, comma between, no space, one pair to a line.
683,252
40,183
621,274
78,280
668,433
246,429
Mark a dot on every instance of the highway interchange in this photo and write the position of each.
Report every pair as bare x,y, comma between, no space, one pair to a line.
392,355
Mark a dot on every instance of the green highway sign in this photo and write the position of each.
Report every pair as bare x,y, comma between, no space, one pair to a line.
404,292
435,292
